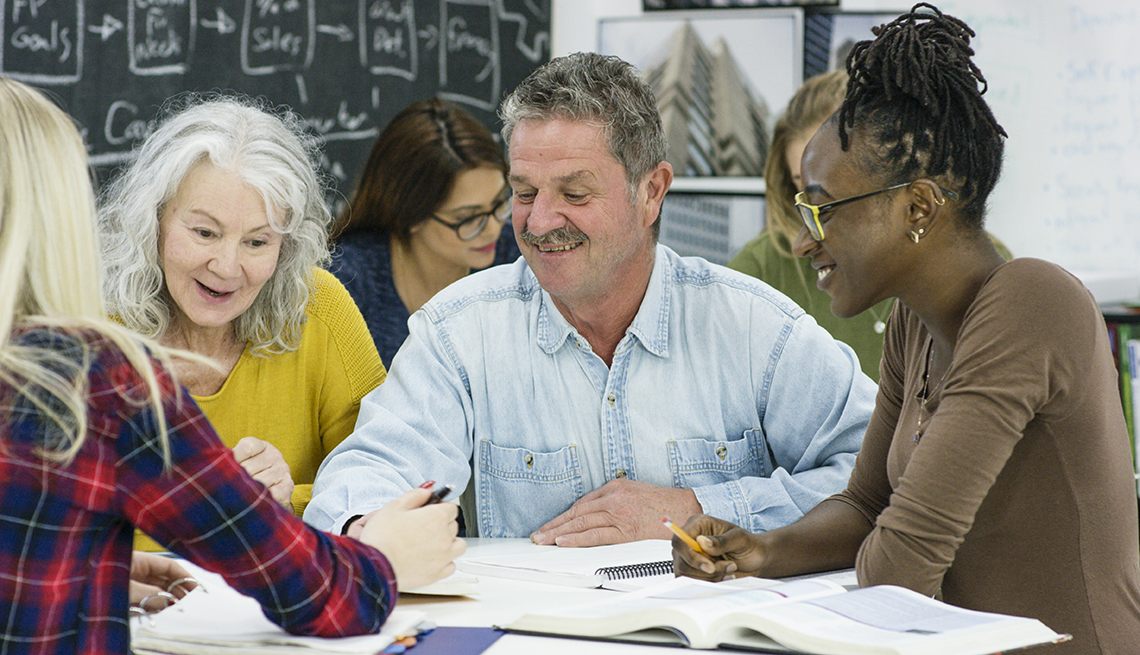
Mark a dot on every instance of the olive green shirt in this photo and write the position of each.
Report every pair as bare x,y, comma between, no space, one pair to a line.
795,278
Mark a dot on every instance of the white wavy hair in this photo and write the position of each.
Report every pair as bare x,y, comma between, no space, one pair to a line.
271,152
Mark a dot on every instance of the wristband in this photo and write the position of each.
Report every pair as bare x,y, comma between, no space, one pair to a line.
352,519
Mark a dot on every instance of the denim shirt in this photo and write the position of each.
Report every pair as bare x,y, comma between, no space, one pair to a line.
720,384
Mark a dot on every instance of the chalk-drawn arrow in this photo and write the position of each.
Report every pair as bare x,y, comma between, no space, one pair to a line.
110,26
431,33
533,52
224,24
342,31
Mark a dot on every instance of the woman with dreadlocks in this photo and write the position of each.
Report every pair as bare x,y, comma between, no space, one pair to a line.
995,472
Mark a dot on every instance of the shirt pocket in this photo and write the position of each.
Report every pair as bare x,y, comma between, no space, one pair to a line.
700,462
521,489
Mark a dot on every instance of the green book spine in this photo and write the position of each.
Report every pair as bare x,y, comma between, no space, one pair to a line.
1124,332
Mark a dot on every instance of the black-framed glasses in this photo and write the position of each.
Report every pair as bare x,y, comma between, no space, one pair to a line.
810,213
472,226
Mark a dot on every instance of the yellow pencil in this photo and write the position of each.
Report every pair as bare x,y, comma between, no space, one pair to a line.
692,543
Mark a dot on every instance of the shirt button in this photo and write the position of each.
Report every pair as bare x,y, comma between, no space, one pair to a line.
529,459
721,450
620,474
612,398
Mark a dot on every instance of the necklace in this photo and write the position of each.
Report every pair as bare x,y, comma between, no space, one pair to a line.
880,325
926,392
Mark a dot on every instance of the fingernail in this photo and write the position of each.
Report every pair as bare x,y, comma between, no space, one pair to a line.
707,567
730,568
537,537
427,484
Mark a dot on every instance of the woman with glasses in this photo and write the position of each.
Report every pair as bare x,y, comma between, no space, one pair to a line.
430,208
996,471
213,239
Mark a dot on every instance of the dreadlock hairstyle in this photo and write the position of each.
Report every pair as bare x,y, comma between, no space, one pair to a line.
915,92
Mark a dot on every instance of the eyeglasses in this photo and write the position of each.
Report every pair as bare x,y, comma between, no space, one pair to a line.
472,226
810,213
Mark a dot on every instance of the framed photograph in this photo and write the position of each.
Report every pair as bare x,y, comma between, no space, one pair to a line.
721,78
829,35
651,5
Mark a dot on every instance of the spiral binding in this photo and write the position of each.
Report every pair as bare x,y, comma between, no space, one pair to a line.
636,570
147,606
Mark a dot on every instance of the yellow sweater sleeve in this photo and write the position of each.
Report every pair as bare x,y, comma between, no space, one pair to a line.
305,401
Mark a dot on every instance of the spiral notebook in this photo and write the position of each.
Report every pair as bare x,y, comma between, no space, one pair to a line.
621,567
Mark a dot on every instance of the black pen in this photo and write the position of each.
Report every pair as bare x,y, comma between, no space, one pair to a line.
438,495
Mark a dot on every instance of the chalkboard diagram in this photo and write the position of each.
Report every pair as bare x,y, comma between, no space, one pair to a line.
346,66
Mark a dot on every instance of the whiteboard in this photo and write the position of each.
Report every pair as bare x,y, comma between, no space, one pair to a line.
1064,79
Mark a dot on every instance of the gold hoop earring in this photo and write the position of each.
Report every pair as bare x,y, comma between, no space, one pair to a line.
940,201
915,236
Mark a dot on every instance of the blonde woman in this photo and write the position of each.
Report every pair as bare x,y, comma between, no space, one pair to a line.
213,242
96,437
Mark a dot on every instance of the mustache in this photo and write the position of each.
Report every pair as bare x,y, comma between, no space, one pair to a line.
553,237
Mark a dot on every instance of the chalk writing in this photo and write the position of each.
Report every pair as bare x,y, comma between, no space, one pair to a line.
344,66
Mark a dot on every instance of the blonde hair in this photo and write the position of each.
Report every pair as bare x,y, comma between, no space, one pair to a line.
49,266
818,98
271,152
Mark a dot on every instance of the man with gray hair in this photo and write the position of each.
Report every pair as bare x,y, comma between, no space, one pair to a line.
602,381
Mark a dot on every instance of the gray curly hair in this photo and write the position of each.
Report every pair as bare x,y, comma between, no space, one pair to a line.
271,151
594,88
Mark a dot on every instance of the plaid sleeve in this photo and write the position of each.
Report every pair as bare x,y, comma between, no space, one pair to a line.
208,510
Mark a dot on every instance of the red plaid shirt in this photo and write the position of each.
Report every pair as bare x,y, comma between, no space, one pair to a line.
66,531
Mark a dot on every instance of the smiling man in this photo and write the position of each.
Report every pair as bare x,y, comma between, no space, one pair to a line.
602,381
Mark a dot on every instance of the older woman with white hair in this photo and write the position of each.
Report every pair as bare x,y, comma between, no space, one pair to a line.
213,239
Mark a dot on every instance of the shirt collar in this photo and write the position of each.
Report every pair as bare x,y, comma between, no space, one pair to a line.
650,326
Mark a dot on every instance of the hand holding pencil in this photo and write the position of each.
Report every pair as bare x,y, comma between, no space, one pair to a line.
711,549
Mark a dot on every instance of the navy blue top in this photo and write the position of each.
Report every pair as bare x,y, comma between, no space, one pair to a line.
363,264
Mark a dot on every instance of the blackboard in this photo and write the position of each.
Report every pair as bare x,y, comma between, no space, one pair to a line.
346,66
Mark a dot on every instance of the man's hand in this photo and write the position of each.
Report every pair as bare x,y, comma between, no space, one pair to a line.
151,573
266,464
620,511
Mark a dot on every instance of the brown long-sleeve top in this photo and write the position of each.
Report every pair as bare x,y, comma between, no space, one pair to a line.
1019,496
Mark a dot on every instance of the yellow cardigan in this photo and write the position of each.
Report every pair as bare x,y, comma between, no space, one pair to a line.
305,401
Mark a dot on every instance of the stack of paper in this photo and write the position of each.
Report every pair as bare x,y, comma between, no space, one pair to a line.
216,619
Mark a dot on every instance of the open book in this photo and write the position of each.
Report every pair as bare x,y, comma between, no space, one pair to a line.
215,619
622,567
805,616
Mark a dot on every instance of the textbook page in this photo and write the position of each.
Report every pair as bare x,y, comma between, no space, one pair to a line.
888,620
683,610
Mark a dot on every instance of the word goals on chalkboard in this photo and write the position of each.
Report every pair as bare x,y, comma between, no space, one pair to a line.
346,66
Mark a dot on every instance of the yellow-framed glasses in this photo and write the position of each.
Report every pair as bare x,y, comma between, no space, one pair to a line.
810,213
